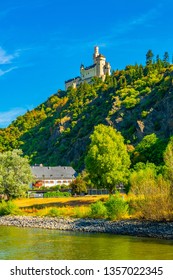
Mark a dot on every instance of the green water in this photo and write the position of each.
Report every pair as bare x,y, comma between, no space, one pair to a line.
39,244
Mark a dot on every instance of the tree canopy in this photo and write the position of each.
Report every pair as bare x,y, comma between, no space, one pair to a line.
107,161
15,174
137,100
168,159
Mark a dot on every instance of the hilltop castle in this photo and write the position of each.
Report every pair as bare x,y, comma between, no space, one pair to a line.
100,68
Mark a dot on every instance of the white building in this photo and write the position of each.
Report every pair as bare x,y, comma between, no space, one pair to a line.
100,68
46,176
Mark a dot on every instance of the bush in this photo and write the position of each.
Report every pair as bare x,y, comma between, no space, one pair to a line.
8,208
81,212
54,188
153,195
98,210
116,207
54,212
57,194
78,186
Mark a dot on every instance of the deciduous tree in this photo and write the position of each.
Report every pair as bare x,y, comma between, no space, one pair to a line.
78,186
107,161
168,159
15,174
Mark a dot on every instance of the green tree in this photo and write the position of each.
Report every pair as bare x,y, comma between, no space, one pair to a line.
159,63
78,186
15,174
107,161
166,59
149,149
168,159
149,57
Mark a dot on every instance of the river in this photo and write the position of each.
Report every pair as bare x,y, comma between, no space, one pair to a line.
43,244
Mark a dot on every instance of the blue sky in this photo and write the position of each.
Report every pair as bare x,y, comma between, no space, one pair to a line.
43,43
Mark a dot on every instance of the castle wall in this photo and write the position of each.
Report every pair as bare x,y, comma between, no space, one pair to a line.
88,73
73,82
100,66
68,84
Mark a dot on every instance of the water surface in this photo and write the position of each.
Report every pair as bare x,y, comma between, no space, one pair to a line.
43,244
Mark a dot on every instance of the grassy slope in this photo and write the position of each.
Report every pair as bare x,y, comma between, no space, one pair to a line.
59,202
137,101
78,207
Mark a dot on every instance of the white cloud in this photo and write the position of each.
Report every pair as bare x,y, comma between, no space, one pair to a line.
127,26
7,58
113,37
3,72
7,117
144,18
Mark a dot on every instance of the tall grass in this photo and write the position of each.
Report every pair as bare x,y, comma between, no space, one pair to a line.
154,195
74,212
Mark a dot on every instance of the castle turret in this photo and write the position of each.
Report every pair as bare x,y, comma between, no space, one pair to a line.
107,69
96,53
82,71
100,63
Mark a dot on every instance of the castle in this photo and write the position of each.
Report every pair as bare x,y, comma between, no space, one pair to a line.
100,68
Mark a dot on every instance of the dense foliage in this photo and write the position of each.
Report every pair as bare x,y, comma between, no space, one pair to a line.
56,194
15,174
78,186
114,208
137,101
9,208
107,161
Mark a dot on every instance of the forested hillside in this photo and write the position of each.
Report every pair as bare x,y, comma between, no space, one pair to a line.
137,101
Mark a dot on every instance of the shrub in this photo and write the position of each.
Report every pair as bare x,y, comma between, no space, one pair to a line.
98,210
153,194
78,186
54,188
8,208
57,194
116,207
81,212
53,212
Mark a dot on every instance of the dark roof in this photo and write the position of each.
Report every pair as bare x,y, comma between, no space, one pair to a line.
89,67
72,79
57,172
101,55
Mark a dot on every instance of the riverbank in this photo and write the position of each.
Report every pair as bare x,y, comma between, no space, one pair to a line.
162,230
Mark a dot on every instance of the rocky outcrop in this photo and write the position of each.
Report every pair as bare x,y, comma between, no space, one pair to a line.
125,227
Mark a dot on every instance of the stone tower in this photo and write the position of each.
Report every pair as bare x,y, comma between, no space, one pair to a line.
96,54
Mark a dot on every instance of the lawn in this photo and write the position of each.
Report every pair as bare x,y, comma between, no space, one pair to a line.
58,202
76,207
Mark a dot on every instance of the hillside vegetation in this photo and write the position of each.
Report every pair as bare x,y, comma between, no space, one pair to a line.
137,101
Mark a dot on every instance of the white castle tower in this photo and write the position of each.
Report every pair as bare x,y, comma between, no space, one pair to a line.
96,53
100,68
